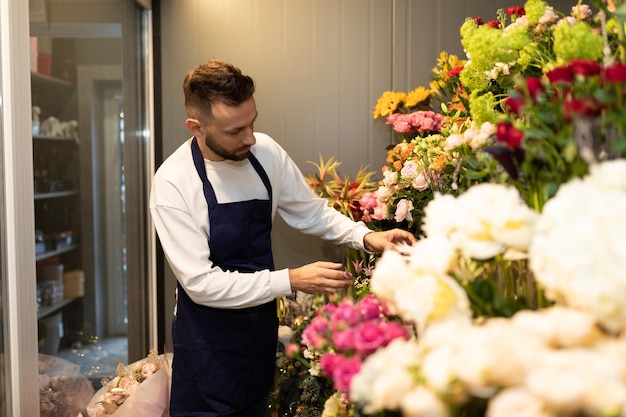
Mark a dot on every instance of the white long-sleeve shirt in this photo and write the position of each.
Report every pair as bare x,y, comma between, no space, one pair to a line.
180,216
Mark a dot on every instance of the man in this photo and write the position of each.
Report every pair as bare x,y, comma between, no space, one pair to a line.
213,202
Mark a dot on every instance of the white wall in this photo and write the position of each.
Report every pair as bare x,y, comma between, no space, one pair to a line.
320,66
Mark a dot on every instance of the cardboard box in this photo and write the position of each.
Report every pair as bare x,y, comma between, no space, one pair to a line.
74,284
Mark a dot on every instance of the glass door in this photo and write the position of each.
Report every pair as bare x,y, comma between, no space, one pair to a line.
91,123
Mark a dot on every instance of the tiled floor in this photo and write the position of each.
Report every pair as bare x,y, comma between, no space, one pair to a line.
99,360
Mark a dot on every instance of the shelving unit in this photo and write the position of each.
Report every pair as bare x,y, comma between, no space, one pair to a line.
56,168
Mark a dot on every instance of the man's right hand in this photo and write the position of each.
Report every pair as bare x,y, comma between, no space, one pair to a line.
319,277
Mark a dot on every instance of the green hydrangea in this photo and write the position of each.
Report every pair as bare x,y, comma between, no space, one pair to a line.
516,37
468,28
535,9
474,78
483,108
576,41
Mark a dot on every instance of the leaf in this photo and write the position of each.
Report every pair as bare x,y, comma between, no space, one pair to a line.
509,158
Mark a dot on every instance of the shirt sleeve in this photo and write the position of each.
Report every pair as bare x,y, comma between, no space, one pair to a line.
187,250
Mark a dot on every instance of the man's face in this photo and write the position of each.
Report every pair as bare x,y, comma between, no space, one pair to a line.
228,134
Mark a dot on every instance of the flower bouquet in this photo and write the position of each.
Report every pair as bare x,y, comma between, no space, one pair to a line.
140,389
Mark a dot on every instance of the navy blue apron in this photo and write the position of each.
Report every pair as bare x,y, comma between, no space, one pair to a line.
224,359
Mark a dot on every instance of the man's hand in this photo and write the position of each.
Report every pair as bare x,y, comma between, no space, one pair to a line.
319,278
378,242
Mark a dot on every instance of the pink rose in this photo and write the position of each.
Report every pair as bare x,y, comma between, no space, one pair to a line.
345,315
420,183
343,339
369,337
403,210
409,170
292,350
369,307
329,361
315,333
379,213
395,330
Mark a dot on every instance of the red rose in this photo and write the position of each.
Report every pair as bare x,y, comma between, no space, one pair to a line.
535,87
514,105
585,67
616,73
494,24
563,74
455,72
515,10
580,107
507,133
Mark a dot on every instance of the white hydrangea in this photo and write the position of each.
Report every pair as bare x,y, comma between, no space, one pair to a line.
578,253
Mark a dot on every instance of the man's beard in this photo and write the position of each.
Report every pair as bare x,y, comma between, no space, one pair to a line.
219,150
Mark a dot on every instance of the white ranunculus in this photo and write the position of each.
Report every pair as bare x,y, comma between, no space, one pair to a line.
417,287
439,215
389,274
397,358
571,381
421,402
390,387
490,218
454,140
409,170
437,367
435,253
558,326
494,355
484,221
609,174
516,402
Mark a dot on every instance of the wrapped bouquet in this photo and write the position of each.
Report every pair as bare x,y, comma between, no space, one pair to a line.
140,389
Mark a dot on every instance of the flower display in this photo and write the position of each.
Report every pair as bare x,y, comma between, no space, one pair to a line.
518,366
514,293
342,335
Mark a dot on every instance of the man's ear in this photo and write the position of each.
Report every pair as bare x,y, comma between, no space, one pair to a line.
194,126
